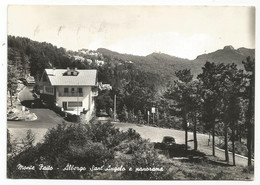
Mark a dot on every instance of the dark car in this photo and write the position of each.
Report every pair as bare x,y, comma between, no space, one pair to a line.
168,140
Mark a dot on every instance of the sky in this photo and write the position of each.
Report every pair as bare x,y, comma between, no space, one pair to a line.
182,31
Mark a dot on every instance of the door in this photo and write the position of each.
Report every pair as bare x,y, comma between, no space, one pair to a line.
65,105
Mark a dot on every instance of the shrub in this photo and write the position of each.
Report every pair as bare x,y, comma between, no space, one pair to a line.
77,144
85,145
105,133
89,154
29,139
132,134
248,169
144,160
240,148
130,146
57,140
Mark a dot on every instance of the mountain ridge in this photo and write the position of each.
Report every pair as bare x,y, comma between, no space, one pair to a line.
167,64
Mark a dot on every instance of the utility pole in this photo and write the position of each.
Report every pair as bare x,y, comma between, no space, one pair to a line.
115,108
153,112
148,115
78,100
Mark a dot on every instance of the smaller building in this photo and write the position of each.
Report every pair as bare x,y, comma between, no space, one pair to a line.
72,90
30,80
103,87
99,62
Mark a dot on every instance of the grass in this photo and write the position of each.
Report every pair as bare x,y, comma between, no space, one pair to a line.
204,170
187,170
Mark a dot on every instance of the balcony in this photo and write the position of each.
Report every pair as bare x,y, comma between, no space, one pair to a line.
70,94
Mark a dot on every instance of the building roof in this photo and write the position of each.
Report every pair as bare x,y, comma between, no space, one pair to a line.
30,79
85,77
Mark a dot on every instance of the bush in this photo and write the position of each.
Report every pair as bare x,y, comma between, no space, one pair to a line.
57,140
86,145
145,163
240,148
89,154
77,144
248,169
132,134
105,133
130,146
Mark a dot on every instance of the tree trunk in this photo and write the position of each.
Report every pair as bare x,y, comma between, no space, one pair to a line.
233,144
249,122
240,133
250,117
11,98
195,133
186,131
249,144
226,142
213,138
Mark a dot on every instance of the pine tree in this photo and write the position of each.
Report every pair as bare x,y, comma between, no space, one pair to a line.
249,65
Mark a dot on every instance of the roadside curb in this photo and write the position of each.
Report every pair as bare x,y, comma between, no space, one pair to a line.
235,154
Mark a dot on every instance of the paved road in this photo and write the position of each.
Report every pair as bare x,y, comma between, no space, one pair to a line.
25,94
45,119
155,134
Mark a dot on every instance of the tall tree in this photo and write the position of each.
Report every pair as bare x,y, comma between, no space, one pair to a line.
231,88
195,108
179,94
249,65
11,81
210,77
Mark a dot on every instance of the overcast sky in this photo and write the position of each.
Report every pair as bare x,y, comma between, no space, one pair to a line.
176,30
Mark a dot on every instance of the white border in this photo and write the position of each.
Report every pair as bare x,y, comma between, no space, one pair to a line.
3,77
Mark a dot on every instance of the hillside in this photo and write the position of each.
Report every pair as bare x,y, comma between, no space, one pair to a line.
166,65
226,55
36,56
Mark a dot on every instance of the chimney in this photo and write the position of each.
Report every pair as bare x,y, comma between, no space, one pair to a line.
68,68
76,69
53,70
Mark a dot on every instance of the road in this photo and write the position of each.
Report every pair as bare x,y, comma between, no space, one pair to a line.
156,134
46,119
25,94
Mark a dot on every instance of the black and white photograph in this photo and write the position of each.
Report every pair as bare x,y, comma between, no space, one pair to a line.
133,92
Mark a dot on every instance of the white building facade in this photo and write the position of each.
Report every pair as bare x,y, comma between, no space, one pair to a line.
72,90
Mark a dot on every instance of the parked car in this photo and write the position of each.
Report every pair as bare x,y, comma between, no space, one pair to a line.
170,148
168,140
167,143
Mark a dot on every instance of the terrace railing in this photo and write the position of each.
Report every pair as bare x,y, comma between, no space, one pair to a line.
70,94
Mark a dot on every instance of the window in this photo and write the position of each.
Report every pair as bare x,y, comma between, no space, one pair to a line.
66,90
80,90
72,90
74,104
